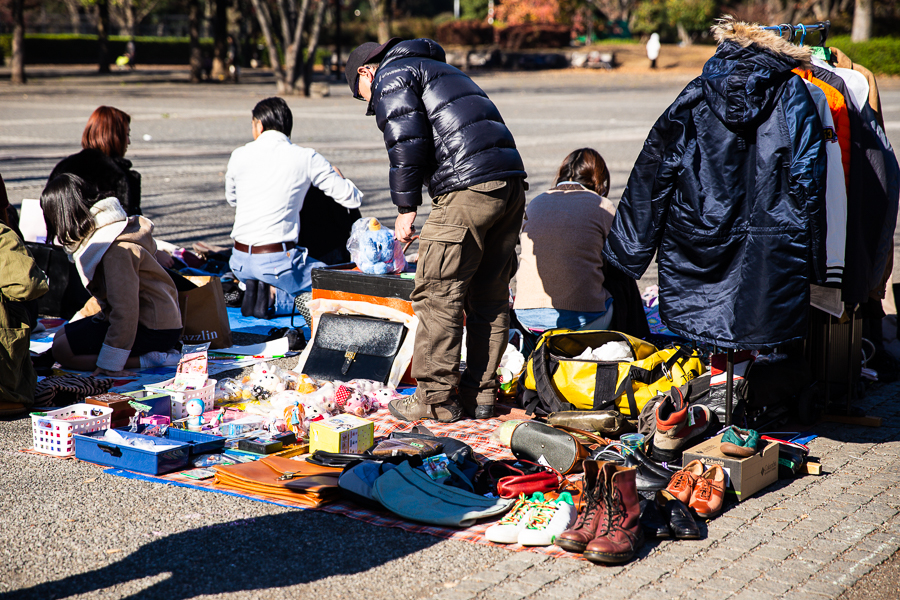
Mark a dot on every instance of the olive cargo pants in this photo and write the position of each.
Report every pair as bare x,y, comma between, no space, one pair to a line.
467,256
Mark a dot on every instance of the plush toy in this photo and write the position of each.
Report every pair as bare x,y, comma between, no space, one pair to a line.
316,408
376,246
358,405
263,381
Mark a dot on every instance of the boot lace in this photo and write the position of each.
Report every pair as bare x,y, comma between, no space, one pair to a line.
590,506
616,513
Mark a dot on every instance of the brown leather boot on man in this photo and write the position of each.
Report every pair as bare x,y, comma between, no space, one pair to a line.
619,535
585,529
443,408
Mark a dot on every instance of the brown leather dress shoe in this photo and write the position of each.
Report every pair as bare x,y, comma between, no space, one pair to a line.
682,483
709,493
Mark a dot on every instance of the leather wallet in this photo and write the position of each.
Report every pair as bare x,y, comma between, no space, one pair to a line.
348,347
282,478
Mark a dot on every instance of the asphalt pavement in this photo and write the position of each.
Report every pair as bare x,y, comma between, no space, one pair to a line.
68,530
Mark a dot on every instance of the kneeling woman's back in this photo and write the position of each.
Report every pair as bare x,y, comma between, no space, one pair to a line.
560,278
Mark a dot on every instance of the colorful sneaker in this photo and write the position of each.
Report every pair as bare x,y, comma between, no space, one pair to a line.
515,521
548,520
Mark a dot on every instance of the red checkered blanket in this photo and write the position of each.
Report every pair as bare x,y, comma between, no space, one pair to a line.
477,434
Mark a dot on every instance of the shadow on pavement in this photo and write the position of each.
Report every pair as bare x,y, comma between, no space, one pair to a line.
291,548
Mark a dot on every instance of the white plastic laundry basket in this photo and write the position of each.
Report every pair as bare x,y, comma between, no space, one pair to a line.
54,430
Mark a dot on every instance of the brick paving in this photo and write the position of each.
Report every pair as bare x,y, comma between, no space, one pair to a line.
808,538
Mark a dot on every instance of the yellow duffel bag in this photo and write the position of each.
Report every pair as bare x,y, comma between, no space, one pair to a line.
554,380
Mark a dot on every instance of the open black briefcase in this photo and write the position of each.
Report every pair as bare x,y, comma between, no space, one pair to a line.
347,347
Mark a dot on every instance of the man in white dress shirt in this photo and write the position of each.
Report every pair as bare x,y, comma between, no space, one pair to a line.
267,181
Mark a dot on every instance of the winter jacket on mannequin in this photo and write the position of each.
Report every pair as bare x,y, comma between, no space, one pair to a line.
729,192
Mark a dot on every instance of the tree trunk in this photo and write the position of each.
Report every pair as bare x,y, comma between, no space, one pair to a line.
381,16
220,41
74,15
862,21
17,74
265,24
196,59
822,9
313,46
293,59
683,35
103,35
130,20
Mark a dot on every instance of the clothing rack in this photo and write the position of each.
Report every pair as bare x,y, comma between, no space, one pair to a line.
793,30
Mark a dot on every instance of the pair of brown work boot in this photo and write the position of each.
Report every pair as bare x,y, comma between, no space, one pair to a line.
609,528
444,407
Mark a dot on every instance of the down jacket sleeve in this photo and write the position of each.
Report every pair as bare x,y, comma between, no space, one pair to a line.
808,169
641,215
408,136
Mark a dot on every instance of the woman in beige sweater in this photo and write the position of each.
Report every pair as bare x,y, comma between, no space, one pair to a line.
138,323
560,278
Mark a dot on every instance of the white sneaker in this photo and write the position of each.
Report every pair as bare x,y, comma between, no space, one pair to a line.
515,521
548,520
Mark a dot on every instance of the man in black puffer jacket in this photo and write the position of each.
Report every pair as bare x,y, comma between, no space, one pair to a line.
442,130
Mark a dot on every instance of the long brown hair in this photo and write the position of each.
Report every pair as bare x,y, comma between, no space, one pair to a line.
587,167
107,131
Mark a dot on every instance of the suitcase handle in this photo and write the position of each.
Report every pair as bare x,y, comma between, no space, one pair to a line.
111,450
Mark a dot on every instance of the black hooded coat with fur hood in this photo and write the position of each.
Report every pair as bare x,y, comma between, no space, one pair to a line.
729,192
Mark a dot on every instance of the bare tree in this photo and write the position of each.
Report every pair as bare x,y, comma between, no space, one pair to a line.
381,14
103,35
615,10
313,46
862,21
220,41
196,60
289,36
74,15
17,75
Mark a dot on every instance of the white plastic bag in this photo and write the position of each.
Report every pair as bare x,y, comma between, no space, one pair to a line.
373,248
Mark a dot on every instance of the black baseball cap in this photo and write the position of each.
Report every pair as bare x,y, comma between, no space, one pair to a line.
363,55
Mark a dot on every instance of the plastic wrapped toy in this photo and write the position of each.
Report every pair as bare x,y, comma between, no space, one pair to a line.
373,248
228,390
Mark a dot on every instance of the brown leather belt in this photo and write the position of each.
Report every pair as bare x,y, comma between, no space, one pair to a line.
264,248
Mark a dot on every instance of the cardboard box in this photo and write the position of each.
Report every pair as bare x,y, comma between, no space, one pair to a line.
342,433
746,476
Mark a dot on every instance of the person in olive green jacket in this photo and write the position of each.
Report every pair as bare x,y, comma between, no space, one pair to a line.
20,281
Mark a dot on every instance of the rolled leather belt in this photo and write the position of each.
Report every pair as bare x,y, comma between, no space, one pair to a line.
264,248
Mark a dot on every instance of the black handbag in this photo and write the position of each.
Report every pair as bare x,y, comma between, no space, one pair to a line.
347,347
67,294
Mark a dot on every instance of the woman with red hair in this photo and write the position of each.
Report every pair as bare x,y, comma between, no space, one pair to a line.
102,162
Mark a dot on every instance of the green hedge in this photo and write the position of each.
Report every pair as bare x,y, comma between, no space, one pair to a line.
879,55
83,49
